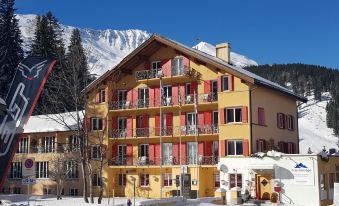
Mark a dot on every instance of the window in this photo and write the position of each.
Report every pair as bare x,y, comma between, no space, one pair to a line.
290,123
261,145
235,180
167,179
177,66
122,126
224,83
143,97
261,116
73,192
167,153
96,181
216,180
122,97
97,124
16,170
215,122
191,122
41,169
233,115
331,180
156,65
71,170
122,180
47,191
214,90
234,147
144,150
96,152
192,151
16,190
215,152
281,120
102,95
48,144
144,180
167,95
23,146
121,155
188,89
74,143
290,148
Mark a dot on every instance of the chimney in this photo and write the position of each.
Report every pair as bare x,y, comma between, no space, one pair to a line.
223,51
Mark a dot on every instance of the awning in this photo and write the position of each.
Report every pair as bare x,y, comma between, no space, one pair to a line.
261,166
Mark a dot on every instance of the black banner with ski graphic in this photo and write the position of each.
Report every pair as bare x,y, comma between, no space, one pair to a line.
29,80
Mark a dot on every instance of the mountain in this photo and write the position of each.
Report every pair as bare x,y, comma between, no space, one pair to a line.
106,48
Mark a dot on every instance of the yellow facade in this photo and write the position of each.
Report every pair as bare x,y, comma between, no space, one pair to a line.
244,94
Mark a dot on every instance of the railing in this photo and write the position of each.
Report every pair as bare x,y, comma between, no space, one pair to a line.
165,131
154,73
164,101
166,160
42,149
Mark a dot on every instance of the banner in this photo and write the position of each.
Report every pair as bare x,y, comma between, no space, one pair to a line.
29,80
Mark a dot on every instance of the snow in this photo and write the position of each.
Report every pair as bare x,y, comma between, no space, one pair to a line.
52,123
313,131
237,60
16,200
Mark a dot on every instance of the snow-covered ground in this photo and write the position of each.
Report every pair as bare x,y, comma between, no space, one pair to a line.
22,200
313,130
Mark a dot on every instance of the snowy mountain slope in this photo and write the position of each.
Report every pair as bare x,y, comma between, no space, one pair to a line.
104,48
313,130
236,59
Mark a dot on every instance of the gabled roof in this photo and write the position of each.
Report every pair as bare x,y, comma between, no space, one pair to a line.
150,46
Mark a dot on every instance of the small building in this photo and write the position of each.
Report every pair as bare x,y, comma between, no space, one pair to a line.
297,179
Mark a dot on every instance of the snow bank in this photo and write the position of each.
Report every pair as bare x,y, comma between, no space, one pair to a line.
52,123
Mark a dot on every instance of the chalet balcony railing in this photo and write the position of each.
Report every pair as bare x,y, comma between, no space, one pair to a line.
165,131
166,160
154,73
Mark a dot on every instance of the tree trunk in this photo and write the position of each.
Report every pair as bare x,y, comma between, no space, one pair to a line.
83,167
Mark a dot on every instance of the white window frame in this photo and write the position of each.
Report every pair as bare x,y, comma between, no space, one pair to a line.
236,180
216,178
42,170
234,115
98,152
122,95
16,170
167,153
176,67
290,147
147,150
102,95
192,152
261,145
167,180
146,176
122,153
235,148
48,144
224,87
157,65
72,169
96,121
96,180
122,179
23,146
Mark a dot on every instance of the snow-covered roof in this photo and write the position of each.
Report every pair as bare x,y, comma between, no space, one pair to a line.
52,123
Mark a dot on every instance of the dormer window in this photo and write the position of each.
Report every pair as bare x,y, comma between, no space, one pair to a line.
156,65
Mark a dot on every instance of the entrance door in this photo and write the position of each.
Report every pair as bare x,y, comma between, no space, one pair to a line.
264,186
186,183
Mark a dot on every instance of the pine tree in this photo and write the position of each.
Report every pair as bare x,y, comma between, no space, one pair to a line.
11,52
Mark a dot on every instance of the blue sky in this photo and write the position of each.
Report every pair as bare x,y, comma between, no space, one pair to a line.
268,31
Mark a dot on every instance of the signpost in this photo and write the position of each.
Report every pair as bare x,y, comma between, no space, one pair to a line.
28,172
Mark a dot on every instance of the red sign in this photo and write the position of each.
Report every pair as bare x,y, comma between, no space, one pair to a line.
277,189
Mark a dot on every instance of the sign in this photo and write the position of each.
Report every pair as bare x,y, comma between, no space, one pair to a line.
28,181
28,167
29,80
302,171
183,169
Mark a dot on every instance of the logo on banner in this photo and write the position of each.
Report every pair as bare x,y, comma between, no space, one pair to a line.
31,72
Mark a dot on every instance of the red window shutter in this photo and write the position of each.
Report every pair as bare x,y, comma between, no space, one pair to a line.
207,87
245,147
129,154
183,153
166,67
157,154
130,96
194,87
230,82
222,148
208,118
104,123
182,94
209,149
201,118
244,114
147,65
222,115
97,97
186,62
145,121
201,148
219,83
157,97
152,153
169,123
157,124
176,153
114,123
175,94
129,127
114,150
134,96
183,123
151,97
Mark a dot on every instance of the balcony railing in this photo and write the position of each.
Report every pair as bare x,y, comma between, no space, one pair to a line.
166,160
165,131
164,101
154,73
